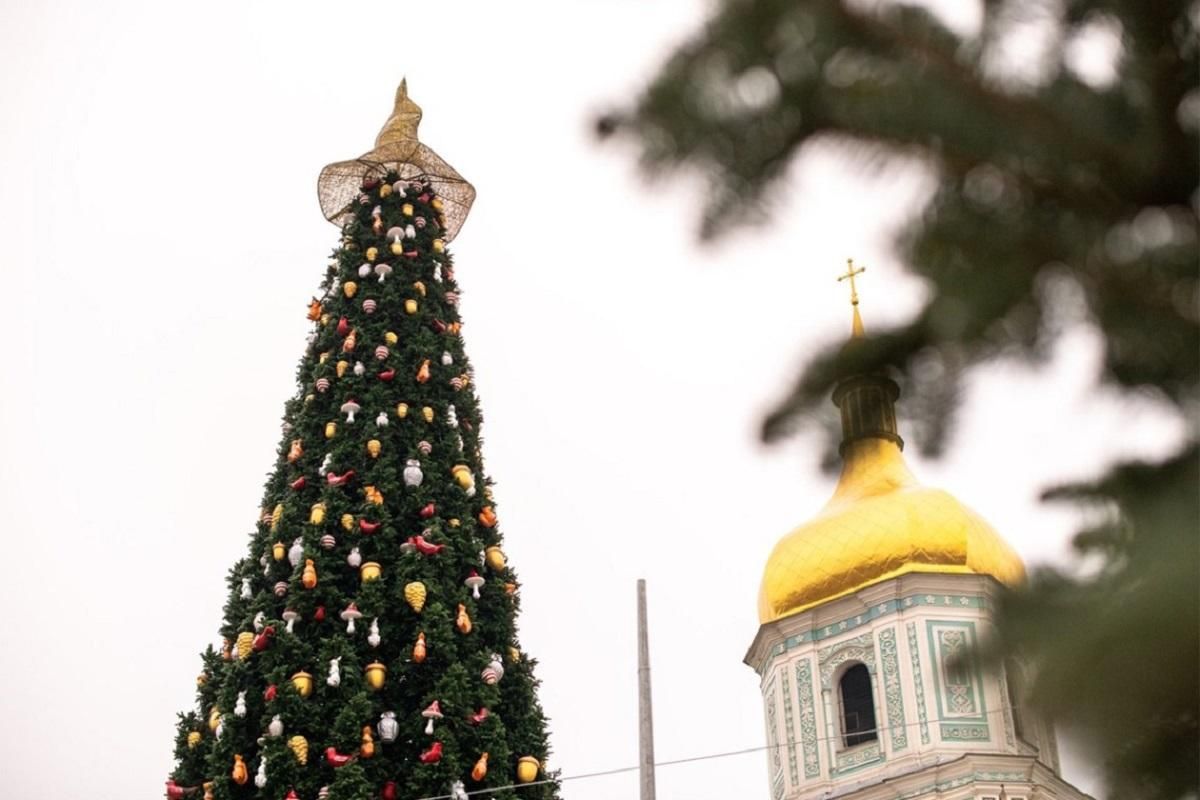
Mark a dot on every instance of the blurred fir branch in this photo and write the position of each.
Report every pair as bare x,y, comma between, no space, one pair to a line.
1044,179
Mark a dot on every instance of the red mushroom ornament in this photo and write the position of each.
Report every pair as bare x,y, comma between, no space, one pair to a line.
433,712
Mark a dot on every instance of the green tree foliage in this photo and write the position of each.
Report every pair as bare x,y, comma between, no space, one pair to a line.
1044,181
344,492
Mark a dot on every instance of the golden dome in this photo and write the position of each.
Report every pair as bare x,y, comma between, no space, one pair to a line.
879,524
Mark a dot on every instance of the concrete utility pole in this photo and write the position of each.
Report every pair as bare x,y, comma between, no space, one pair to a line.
645,713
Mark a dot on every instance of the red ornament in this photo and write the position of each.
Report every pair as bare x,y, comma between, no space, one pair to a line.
428,511
299,483
263,639
438,326
319,614
343,326
291,795
478,717
424,198
369,527
339,480
388,792
433,754
411,254
177,792
369,183
424,547
270,693
387,374
335,759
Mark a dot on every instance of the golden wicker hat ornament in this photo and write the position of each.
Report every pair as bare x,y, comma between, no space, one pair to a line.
396,150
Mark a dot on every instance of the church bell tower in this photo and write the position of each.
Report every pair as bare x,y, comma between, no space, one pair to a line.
869,614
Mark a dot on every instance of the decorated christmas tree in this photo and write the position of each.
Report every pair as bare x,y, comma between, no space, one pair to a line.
370,647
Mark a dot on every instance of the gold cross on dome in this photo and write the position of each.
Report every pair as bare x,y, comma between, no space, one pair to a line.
851,271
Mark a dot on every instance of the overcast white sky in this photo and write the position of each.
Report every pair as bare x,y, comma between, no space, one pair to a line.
161,238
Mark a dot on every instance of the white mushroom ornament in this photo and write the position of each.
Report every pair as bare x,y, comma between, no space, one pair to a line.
350,408
290,616
383,270
434,712
474,582
348,615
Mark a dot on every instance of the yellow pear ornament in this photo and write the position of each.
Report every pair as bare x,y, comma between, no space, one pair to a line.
419,649
368,743
479,771
463,621
309,578
239,773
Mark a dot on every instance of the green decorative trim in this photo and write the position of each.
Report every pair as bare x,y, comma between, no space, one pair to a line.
914,654
958,685
808,719
884,609
785,684
892,692
954,783
965,733
772,700
859,757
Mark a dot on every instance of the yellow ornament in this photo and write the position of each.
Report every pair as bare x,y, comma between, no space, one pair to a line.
410,306
514,655
463,621
373,448
527,769
385,190
299,747
276,515
330,430
391,338
350,288
214,718
454,522
372,253
414,594
239,773
495,558
317,515
308,398
439,246
324,357
245,642
309,576
436,204
278,551
342,366
373,495
351,342
324,320
419,649
420,287
202,679
401,410
368,743
303,682
370,571
427,413
193,739
407,209
348,522
397,247
376,674
462,474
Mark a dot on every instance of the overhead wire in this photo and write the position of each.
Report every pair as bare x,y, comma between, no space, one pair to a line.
688,760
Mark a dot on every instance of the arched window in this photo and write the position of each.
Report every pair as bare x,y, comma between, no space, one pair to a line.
858,706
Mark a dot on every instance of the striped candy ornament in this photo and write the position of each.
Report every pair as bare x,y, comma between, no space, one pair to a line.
381,352
281,588
322,384
328,542
452,298
369,306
